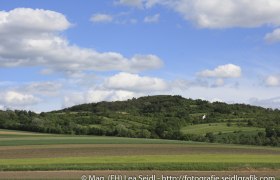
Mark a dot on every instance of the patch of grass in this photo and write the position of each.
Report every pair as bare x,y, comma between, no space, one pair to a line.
155,162
140,166
202,129
82,140
193,158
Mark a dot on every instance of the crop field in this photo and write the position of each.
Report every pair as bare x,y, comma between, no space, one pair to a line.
202,129
23,151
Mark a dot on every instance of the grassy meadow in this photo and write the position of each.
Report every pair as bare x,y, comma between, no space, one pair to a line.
202,129
33,151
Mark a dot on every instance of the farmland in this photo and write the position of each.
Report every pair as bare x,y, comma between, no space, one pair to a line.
24,151
202,129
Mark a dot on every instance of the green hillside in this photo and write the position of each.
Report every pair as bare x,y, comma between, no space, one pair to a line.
163,116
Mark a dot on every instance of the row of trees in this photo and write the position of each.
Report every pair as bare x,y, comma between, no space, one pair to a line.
260,138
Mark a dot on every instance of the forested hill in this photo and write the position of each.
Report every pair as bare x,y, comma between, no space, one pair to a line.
163,116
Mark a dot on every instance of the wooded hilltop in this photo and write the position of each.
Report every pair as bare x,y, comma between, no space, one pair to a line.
162,116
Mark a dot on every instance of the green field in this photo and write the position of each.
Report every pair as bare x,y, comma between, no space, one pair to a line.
202,129
163,162
32,151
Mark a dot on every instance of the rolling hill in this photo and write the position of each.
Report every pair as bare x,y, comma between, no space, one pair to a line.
162,116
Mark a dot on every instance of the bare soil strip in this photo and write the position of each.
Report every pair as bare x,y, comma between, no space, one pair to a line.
7,132
52,151
16,133
158,174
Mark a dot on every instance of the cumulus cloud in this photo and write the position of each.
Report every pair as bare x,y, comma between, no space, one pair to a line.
273,37
37,96
272,80
121,86
33,35
134,82
73,98
152,19
109,95
17,99
223,71
101,18
25,20
98,95
225,13
221,13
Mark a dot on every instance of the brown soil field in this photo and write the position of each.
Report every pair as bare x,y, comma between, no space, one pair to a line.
158,174
20,133
16,133
46,151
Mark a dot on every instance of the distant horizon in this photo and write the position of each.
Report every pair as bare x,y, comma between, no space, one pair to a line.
57,54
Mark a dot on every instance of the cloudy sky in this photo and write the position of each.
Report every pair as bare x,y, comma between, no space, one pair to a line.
55,54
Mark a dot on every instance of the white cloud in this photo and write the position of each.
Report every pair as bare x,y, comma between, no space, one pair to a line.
121,86
223,71
142,3
108,95
273,37
134,82
142,62
219,82
25,20
39,44
243,94
183,84
125,20
73,98
225,13
119,18
35,96
152,19
101,18
17,99
272,80
126,86
268,103
42,88
131,3
151,3
98,95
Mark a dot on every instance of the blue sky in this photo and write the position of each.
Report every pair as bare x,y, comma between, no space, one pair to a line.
55,54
